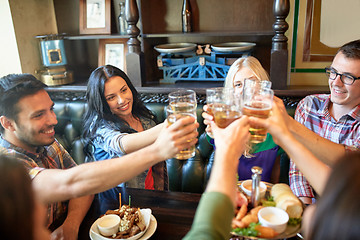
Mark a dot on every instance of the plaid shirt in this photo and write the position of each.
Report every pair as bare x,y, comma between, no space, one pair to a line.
313,113
53,156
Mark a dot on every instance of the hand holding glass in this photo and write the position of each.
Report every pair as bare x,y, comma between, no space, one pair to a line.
172,116
227,107
182,103
257,103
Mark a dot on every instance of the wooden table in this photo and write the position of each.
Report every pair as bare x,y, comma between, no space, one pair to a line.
174,211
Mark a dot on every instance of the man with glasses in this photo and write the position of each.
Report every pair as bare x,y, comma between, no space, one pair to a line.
329,124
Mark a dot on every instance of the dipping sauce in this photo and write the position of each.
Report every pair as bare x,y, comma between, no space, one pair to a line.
272,218
249,187
108,223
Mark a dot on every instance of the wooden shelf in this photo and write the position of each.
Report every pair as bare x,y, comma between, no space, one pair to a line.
86,37
207,34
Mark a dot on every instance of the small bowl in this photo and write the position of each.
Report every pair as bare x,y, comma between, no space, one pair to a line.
246,187
108,225
274,218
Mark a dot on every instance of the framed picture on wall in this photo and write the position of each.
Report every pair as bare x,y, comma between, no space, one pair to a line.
113,52
95,17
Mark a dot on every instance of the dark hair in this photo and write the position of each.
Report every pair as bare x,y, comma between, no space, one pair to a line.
16,201
14,87
351,49
337,212
98,112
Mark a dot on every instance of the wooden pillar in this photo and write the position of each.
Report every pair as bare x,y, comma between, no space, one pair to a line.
279,49
134,55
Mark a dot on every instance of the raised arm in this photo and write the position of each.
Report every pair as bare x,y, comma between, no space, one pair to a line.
135,141
324,149
52,185
315,171
230,144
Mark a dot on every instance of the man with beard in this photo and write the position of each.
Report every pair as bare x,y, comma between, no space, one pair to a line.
27,131
329,124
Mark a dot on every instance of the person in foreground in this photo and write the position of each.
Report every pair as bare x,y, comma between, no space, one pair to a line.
216,208
21,214
266,154
27,129
328,124
336,213
117,122
27,132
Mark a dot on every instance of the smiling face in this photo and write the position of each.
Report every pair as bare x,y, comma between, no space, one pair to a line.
240,77
119,97
345,97
35,122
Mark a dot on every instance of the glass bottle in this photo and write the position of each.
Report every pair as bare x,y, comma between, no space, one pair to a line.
122,19
186,17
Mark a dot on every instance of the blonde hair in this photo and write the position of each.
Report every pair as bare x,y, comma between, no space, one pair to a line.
250,62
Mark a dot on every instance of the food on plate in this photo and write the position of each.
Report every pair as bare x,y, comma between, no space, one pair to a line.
246,221
265,232
131,222
286,200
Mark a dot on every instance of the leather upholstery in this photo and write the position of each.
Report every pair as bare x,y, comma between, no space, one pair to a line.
184,175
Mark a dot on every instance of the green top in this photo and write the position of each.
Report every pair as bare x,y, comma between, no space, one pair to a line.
212,218
266,145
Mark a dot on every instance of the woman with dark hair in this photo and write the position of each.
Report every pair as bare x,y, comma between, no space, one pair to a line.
336,214
117,122
18,207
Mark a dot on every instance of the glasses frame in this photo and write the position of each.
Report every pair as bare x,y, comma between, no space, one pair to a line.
328,71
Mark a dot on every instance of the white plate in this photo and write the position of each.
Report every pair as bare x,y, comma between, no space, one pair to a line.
150,223
175,47
233,46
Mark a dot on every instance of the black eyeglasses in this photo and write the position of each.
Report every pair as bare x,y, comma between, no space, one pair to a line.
347,79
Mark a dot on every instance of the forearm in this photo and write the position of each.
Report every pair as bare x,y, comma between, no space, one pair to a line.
77,210
54,185
325,150
135,141
315,171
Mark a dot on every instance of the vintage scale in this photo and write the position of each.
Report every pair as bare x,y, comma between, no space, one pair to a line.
180,61
54,60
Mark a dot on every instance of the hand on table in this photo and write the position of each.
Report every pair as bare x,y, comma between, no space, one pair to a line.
65,232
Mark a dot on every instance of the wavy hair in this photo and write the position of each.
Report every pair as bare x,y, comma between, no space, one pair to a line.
98,112
249,62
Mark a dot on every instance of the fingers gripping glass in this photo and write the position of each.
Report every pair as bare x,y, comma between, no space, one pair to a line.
345,78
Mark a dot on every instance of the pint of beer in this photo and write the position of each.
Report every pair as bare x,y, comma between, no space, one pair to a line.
257,103
227,108
173,114
182,103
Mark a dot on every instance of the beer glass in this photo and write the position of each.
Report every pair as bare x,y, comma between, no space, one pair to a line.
213,96
257,102
255,83
227,108
182,103
182,100
172,115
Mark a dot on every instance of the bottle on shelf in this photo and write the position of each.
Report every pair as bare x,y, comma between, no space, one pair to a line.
186,17
122,19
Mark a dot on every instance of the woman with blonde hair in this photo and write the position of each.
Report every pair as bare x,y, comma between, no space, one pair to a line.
244,66
267,153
